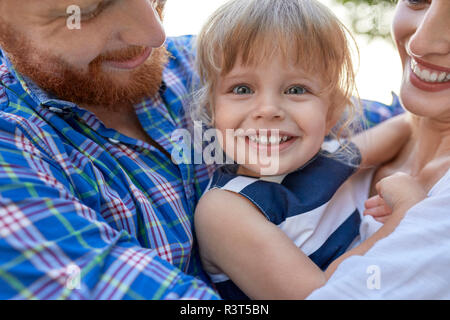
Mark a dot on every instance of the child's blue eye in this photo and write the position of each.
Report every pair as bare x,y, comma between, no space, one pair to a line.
242,89
296,90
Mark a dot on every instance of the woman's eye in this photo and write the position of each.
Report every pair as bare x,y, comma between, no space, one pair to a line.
296,90
242,90
417,3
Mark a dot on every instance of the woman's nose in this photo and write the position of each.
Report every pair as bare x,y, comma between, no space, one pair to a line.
432,35
141,24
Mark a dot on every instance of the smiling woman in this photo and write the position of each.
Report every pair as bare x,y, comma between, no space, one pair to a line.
414,259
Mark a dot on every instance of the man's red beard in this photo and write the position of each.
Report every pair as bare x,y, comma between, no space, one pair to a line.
93,87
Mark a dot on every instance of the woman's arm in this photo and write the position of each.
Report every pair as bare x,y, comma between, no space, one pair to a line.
235,238
382,143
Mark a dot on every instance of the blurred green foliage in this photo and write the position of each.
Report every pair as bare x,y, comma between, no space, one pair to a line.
370,17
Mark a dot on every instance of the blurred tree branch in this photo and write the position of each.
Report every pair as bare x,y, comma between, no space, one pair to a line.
370,17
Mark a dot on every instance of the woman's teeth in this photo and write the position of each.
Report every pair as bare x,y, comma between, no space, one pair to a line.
265,140
428,75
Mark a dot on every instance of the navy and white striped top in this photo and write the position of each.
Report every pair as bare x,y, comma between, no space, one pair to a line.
313,205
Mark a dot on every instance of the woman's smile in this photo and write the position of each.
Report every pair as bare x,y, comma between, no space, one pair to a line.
428,77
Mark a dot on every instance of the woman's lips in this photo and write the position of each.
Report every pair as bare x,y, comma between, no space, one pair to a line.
428,77
427,86
132,63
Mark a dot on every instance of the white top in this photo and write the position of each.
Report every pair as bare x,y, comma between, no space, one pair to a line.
411,263
361,185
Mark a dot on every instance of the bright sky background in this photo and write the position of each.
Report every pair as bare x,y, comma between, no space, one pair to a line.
379,70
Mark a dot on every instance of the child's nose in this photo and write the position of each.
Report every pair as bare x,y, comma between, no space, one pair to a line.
268,111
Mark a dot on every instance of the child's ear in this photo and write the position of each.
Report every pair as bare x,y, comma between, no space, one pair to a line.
334,115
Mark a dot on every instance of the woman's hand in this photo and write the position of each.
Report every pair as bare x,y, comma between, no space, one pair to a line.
396,194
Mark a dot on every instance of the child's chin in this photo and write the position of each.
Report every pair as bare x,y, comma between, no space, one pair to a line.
258,170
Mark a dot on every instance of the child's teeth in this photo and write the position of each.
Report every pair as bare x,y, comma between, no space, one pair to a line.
263,139
268,140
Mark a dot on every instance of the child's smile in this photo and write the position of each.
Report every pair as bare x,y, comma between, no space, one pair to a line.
267,140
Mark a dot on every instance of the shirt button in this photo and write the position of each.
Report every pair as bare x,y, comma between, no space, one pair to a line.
113,141
55,110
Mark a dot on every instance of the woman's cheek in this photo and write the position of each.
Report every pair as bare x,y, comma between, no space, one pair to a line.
403,28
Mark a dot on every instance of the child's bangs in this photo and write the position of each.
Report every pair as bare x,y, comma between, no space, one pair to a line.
295,49
304,36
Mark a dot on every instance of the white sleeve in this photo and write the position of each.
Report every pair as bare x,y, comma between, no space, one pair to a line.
411,263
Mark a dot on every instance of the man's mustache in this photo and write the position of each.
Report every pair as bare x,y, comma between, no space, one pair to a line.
121,55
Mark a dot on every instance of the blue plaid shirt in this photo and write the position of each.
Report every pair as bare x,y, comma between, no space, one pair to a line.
88,213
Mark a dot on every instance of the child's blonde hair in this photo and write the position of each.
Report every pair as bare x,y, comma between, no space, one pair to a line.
254,30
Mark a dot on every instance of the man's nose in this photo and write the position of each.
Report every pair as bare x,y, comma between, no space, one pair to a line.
141,24
432,35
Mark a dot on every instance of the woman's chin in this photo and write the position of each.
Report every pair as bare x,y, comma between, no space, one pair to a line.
423,103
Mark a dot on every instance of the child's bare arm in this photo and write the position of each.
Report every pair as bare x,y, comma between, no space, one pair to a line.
381,143
400,192
235,238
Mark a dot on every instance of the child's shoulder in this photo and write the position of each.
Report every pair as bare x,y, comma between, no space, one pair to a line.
227,179
215,204
226,190
225,184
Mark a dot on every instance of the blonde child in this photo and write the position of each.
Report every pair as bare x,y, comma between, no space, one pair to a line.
279,73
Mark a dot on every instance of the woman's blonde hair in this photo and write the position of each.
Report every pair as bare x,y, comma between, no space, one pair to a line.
254,30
